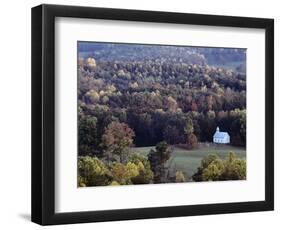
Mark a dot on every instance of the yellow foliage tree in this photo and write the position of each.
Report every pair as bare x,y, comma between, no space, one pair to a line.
93,96
91,63
180,177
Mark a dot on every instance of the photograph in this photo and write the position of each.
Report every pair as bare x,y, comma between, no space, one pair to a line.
141,114
151,114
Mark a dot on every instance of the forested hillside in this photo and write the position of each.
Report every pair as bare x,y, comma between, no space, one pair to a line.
152,94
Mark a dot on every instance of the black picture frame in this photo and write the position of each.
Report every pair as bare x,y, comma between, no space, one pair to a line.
43,114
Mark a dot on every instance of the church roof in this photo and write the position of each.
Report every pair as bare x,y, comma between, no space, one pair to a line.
221,135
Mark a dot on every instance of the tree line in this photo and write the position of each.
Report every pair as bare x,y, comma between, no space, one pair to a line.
160,109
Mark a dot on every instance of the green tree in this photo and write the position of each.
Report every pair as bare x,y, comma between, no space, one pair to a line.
238,127
189,126
205,162
122,173
145,175
92,172
192,141
180,177
157,159
213,168
213,171
88,138
235,168
114,183
134,172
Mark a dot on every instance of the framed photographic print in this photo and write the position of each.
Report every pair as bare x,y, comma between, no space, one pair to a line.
141,114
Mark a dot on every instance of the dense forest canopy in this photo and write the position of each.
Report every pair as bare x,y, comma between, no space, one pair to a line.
141,95
154,89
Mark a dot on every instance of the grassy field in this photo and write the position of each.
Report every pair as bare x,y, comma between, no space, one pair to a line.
188,161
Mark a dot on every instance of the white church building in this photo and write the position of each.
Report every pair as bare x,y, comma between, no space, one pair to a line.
221,137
